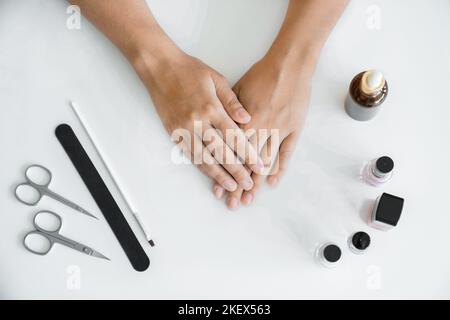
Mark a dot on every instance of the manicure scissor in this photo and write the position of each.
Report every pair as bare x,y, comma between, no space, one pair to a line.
40,189
51,235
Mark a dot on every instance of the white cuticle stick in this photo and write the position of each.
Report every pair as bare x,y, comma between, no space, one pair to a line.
141,223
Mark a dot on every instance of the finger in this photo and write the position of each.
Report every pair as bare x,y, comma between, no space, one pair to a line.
285,153
258,139
266,152
238,142
249,196
217,173
268,144
230,101
269,154
234,199
208,165
226,157
218,191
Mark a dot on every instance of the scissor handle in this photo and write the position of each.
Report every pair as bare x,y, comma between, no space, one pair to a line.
36,188
52,232
42,235
39,187
32,181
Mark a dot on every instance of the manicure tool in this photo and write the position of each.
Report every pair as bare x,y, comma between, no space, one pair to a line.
105,201
139,220
51,236
39,187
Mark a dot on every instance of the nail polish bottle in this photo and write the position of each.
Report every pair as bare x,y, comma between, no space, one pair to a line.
386,212
359,242
367,92
378,171
328,255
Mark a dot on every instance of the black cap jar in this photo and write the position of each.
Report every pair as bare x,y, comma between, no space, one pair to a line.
359,242
328,255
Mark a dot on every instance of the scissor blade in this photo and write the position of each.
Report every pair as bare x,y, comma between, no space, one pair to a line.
55,237
99,255
69,203
86,212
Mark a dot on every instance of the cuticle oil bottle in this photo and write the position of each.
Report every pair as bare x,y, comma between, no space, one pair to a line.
367,91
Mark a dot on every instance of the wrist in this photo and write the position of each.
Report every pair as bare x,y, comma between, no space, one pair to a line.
295,52
153,52
295,57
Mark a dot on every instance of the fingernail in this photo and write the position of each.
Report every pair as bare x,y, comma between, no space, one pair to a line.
247,184
259,166
218,192
230,185
233,204
260,163
247,198
272,181
244,115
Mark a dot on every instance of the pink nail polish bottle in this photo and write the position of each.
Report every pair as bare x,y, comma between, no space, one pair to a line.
378,171
386,212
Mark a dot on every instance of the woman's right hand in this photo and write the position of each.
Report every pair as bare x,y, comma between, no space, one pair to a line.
198,108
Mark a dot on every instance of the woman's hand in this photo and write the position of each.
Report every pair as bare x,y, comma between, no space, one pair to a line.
276,94
200,110
275,91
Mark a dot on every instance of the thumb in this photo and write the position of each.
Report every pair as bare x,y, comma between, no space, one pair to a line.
231,103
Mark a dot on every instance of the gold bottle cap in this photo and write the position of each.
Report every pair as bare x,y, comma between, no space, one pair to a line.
372,82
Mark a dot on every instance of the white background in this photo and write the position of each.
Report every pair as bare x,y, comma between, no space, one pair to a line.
202,249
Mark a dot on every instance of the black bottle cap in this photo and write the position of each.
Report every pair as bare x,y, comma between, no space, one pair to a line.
361,240
389,209
332,253
384,164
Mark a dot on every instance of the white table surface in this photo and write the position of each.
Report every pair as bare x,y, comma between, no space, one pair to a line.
203,250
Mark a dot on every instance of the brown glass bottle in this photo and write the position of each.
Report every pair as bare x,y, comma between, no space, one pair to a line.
367,91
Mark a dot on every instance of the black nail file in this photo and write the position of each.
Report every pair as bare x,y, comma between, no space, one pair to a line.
102,197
